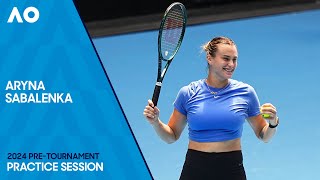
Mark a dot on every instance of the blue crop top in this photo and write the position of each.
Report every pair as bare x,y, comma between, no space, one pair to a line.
220,117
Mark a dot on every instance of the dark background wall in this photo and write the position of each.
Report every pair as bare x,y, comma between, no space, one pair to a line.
105,17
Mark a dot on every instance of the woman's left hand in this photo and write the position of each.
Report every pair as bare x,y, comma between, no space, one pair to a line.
269,112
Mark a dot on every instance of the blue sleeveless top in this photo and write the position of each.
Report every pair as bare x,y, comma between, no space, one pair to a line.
216,117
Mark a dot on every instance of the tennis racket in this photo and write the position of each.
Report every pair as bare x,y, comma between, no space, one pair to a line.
170,37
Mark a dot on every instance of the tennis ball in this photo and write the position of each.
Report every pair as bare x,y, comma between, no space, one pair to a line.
265,115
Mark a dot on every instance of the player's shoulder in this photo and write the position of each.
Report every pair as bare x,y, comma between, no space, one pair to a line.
193,86
240,85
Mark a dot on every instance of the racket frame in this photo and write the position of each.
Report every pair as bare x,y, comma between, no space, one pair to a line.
161,72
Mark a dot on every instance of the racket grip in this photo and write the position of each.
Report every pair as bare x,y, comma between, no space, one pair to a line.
156,93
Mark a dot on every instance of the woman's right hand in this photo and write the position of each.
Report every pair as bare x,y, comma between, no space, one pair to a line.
151,113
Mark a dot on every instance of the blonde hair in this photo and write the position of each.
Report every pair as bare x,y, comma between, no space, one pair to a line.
211,46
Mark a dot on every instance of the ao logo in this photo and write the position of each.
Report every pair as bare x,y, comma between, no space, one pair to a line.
15,14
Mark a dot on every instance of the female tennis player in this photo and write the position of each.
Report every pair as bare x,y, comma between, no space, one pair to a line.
215,110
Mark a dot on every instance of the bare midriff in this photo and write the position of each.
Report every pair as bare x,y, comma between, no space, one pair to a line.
224,146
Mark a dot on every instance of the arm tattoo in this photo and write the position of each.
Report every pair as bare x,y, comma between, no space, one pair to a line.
261,135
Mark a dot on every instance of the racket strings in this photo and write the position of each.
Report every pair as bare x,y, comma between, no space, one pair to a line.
172,32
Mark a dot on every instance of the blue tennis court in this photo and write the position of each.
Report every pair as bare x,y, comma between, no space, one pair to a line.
278,55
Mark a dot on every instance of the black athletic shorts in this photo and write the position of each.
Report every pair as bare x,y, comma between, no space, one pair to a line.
213,166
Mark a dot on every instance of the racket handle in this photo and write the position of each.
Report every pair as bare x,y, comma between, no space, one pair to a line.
156,93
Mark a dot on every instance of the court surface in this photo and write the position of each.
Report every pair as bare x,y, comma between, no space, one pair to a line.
278,55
